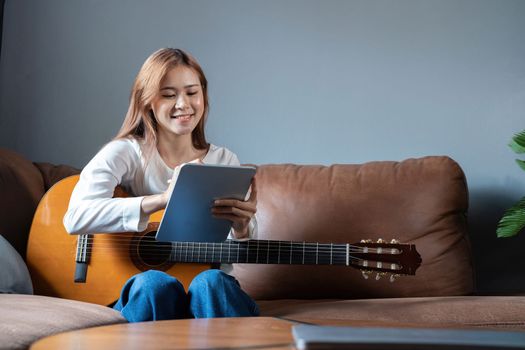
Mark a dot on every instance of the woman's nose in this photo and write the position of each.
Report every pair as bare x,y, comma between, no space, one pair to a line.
180,102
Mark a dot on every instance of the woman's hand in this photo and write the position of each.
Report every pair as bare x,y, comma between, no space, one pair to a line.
153,203
238,212
176,171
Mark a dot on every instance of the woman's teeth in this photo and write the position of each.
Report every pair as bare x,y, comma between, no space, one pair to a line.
183,117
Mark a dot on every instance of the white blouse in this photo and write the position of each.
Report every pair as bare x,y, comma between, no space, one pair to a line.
92,207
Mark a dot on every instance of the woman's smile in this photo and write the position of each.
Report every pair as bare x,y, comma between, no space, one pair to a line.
183,117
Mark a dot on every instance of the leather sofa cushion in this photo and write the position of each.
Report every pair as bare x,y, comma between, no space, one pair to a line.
476,311
52,173
419,201
27,318
21,187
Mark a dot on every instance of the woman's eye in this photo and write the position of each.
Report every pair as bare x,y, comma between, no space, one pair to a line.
168,96
192,93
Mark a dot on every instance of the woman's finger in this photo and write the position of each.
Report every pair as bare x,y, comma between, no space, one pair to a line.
248,205
233,211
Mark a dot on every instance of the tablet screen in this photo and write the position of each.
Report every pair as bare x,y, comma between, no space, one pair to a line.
188,217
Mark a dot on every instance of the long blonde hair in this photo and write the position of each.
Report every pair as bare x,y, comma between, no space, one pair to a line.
140,121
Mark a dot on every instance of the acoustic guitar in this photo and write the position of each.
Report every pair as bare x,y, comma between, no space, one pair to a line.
94,267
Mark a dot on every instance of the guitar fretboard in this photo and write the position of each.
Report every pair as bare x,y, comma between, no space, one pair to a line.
261,252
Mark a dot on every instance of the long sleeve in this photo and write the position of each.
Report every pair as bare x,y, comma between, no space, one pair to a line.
92,207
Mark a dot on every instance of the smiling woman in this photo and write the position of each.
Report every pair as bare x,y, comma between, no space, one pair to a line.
163,129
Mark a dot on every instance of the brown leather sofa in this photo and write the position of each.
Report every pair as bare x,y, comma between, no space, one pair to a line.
418,201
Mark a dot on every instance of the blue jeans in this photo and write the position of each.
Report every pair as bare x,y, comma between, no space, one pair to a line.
155,295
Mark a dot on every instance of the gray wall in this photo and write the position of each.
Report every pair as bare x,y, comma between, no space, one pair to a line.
291,81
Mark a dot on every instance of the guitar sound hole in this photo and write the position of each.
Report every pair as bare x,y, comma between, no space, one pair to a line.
151,254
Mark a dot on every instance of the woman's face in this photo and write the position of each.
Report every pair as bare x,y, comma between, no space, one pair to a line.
179,105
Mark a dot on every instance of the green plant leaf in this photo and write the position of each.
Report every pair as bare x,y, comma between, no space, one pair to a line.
513,220
518,142
521,163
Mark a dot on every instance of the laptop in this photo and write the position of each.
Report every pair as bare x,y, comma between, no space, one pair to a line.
311,337
188,217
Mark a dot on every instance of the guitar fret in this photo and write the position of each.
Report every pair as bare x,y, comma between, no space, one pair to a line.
78,249
198,255
331,252
317,254
347,254
257,254
303,251
82,239
83,248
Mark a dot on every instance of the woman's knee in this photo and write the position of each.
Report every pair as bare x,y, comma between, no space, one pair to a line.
214,293
157,283
152,295
212,279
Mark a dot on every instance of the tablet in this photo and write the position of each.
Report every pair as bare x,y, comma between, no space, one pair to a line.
188,217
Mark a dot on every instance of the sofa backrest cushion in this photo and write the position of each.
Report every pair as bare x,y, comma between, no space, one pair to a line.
21,187
52,173
418,201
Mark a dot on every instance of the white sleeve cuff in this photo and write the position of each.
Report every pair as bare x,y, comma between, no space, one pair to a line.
252,232
253,229
133,220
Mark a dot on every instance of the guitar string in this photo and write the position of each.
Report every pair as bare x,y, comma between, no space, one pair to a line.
336,260
126,236
163,250
225,246
262,244
199,257
333,246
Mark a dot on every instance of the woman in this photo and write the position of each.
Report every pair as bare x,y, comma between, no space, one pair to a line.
163,128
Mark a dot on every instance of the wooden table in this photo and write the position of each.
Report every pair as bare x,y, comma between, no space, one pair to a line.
212,333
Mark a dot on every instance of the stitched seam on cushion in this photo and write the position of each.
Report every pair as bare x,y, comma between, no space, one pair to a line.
517,323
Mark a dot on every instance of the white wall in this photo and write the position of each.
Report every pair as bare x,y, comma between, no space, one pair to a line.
291,81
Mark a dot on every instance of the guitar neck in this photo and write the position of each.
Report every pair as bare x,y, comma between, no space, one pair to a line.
261,252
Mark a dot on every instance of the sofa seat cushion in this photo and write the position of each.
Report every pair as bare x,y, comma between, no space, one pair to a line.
26,318
477,311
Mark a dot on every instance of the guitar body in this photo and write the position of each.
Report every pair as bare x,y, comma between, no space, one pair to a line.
113,258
